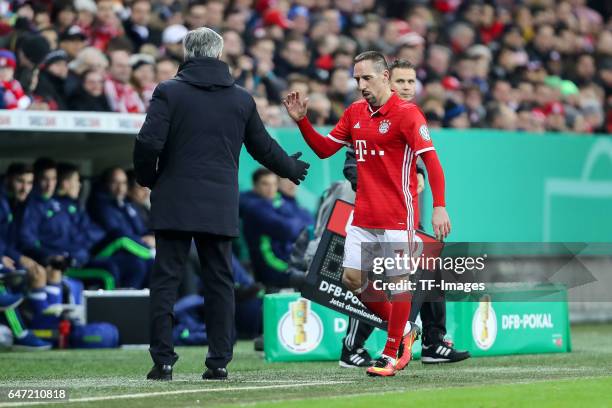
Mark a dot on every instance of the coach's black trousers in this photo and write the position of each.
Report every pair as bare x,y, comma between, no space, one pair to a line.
431,305
214,252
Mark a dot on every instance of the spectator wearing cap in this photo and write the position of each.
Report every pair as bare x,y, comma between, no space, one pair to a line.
137,26
89,96
52,80
300,20
434,121
172,41
143,76
12,94
275,23
122,97
31,51
455,116
72,40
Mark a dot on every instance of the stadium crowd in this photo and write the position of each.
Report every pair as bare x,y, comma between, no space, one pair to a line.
55,241
533,65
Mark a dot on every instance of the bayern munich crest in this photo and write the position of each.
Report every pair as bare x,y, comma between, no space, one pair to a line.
424,132
384,126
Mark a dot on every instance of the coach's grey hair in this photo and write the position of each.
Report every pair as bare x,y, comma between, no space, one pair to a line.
202,42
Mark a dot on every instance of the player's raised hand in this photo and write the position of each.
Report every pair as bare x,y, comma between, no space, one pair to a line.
296,106
441,223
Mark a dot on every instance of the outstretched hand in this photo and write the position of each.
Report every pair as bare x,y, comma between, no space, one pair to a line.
296,106
300,169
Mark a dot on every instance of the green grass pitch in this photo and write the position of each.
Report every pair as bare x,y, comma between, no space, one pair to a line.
115,378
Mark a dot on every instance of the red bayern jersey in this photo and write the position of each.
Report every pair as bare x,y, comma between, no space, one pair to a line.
386,142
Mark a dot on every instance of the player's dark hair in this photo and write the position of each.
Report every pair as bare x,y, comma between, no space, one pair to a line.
107,175
131,177
18,169
401,64
377,58
65,171
259,173
43,164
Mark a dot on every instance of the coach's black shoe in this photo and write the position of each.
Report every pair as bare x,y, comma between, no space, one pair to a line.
258,343
160,373
355,359
215,374
442,353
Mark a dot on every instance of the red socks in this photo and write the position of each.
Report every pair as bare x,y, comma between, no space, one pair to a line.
395,312
376,301
400,311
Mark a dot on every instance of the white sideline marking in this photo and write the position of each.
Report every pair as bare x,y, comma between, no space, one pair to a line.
164,393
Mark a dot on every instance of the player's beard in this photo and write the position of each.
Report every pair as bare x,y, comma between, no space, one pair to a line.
369,97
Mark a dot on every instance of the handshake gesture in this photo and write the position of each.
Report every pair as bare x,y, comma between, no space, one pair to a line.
296,105
300,169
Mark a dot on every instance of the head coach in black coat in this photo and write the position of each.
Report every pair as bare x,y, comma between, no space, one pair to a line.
187,152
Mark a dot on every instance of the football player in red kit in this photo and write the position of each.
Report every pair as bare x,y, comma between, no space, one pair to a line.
387,134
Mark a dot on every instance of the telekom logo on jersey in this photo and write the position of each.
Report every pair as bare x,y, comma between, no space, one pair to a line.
361,150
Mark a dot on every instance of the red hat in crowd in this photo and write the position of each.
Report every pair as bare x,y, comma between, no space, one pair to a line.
7,59
276,17
263,5
447,6
554,108
450,83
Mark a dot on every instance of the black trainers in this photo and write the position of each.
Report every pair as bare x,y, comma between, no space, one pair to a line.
160,373
442,352
355,359
215,374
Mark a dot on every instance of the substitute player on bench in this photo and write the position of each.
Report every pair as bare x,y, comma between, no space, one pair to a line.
387,135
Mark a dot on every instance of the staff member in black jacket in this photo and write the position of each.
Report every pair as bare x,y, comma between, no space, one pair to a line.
187,153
